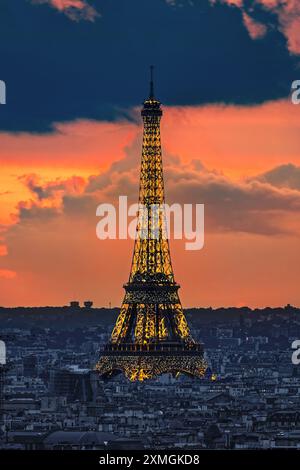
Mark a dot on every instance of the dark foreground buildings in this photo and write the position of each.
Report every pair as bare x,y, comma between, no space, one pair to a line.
249,397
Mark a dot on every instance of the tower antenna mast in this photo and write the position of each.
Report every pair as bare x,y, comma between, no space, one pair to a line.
151,81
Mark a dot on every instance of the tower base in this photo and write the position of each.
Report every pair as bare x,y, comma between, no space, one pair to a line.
140,365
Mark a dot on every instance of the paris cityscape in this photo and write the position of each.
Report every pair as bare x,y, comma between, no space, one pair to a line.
53,398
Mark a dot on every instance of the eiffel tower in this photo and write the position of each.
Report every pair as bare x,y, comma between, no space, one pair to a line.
151,335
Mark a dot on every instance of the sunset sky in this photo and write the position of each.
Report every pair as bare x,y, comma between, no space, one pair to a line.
76,72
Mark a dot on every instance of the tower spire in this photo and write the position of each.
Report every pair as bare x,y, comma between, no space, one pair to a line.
151,95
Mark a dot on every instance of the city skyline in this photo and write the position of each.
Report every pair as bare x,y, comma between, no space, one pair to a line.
72,141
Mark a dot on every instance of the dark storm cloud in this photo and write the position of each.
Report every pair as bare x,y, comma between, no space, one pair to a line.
57,69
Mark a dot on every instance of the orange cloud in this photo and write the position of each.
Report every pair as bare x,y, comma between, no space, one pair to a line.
58,257
75,9
7,274
3,250
255,29
287,12
237,140
249,241
79,148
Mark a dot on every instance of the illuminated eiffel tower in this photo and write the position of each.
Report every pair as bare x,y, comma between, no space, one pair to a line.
151,335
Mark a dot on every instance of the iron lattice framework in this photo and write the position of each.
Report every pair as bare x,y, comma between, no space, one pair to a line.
151,335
